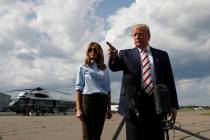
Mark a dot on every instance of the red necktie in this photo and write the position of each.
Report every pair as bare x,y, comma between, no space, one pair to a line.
147,76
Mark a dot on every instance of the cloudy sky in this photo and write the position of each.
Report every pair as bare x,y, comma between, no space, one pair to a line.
43,41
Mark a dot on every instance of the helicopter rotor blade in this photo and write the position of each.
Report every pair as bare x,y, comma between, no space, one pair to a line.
25,89
19,90
40,89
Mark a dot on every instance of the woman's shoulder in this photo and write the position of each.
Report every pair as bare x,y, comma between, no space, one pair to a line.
81,66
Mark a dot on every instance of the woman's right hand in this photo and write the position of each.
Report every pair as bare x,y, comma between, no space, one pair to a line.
109,114
79,115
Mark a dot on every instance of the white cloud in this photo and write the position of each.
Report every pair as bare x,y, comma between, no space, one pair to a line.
42,42
194,91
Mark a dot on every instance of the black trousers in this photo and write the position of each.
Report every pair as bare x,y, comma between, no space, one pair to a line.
148,126
94,108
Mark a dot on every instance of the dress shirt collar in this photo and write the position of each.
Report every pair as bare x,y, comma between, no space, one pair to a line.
147,48
94,65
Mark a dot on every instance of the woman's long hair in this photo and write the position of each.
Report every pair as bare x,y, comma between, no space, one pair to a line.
100,56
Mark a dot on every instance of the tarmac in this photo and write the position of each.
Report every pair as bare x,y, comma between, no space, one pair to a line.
52,127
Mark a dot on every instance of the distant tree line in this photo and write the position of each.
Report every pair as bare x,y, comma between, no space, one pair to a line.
194,106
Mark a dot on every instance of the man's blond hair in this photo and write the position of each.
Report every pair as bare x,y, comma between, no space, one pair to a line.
143,26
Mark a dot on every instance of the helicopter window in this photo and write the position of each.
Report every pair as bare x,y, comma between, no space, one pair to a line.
23,96
39,95
23,101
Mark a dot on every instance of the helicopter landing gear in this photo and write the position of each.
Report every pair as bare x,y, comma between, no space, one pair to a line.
55,111
38,111
30,112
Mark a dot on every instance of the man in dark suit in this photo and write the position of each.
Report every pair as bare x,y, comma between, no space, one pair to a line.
143,67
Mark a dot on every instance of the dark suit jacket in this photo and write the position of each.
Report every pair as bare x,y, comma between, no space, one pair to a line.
129,62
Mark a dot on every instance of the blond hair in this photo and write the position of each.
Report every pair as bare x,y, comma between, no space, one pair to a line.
143,26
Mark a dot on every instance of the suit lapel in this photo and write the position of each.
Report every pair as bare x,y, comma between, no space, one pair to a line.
134,62
155,56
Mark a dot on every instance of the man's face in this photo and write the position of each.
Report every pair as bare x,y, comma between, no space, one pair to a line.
140,37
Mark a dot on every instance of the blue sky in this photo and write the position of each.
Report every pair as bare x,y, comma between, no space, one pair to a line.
108,7
43,41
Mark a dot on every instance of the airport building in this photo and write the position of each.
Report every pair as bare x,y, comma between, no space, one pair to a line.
4,101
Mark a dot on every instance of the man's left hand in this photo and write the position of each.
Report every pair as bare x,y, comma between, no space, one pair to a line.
173,114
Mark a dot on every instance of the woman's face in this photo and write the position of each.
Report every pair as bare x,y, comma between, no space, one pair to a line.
93,53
